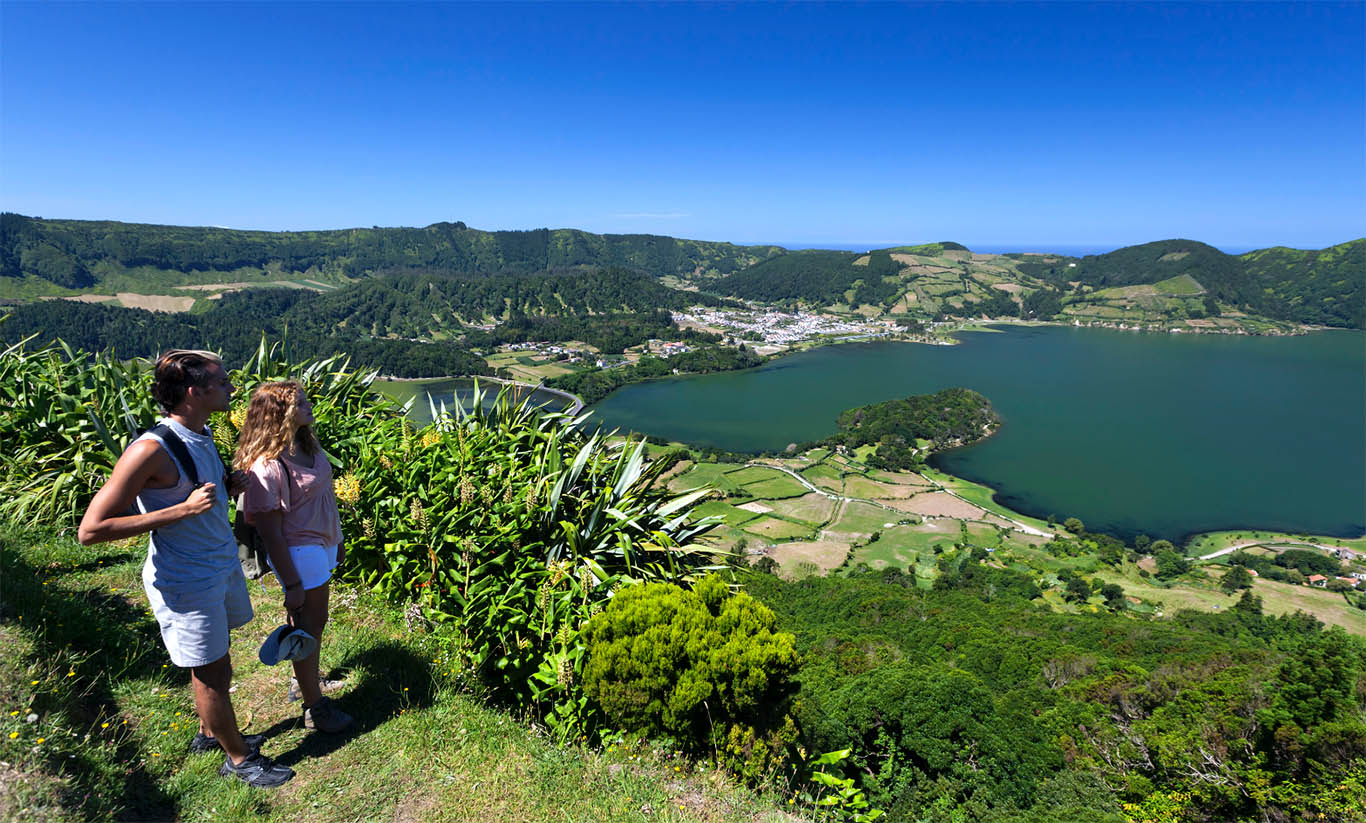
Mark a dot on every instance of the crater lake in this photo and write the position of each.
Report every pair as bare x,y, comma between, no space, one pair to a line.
1165,434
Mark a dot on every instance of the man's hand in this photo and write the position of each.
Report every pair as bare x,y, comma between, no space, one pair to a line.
200,500
144,465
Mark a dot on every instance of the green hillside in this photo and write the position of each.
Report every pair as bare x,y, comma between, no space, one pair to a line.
409,325
930,282
80,254
184,266
1326,287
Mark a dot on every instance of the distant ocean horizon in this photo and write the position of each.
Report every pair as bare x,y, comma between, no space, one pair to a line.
1071,250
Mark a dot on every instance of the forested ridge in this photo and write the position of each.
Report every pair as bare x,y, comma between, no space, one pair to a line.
233,329
422,304
66,252
1325,287
408,325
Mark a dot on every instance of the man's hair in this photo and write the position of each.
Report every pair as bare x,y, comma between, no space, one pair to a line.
176,371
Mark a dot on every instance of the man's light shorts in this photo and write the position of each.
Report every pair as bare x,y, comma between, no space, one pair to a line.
195,623
313,563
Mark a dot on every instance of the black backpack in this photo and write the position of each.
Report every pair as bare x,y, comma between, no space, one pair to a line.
251,548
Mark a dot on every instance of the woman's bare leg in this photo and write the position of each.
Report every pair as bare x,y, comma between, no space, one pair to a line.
312,618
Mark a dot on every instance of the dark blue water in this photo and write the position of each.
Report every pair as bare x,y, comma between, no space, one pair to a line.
1157,433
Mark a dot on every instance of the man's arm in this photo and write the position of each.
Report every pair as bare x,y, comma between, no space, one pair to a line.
105,520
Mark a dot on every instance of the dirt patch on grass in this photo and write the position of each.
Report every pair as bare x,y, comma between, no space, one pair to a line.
155,302
674,471
89,298
1010,288
757,508
826,554
938,504
855,486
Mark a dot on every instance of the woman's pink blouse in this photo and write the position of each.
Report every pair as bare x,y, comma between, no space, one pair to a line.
305,497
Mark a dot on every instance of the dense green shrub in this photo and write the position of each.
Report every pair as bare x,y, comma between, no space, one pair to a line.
704,667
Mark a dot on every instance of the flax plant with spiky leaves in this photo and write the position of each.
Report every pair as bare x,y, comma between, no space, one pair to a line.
529,526
64,420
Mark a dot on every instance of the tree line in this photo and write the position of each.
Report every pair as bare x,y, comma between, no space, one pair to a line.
594,384
234,330
67,252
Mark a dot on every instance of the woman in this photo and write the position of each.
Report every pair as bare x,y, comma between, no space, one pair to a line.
289,499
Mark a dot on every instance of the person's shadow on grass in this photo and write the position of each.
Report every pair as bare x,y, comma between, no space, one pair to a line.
119,643
383,681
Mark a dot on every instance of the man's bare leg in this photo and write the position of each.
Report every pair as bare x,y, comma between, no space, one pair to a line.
214,706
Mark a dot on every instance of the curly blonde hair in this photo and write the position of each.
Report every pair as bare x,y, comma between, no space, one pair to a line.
269,426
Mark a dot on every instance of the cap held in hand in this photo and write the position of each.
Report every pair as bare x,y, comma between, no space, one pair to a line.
287,643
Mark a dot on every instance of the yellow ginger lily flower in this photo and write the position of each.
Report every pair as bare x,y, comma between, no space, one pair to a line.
347,488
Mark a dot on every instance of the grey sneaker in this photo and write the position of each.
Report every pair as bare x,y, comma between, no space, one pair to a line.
325,685
325,716
257,770
203,743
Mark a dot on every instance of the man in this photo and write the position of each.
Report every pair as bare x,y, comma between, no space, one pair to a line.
192,576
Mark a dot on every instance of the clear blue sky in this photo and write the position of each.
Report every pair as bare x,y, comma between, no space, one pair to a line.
1243,125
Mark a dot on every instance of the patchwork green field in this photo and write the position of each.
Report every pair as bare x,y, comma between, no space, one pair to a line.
850,515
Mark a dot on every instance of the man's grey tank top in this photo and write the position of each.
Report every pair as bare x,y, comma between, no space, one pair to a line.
198,550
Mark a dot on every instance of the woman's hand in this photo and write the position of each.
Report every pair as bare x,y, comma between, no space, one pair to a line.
341,553
294,598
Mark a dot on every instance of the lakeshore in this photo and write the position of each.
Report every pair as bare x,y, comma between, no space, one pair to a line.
1125,394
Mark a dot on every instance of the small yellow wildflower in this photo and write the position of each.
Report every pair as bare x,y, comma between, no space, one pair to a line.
13,714
104,725
430,438
42,740
71,673
347,488
13,735
33,682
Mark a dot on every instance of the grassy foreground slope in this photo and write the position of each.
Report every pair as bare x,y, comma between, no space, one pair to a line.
80,655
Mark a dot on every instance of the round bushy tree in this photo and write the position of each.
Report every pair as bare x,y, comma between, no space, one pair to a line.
703,667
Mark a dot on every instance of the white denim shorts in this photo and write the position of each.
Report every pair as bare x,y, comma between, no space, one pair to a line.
195,623
313,563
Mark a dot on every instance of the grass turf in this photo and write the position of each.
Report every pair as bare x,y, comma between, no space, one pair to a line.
110,720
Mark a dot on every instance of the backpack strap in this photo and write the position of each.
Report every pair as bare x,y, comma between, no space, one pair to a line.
176,447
